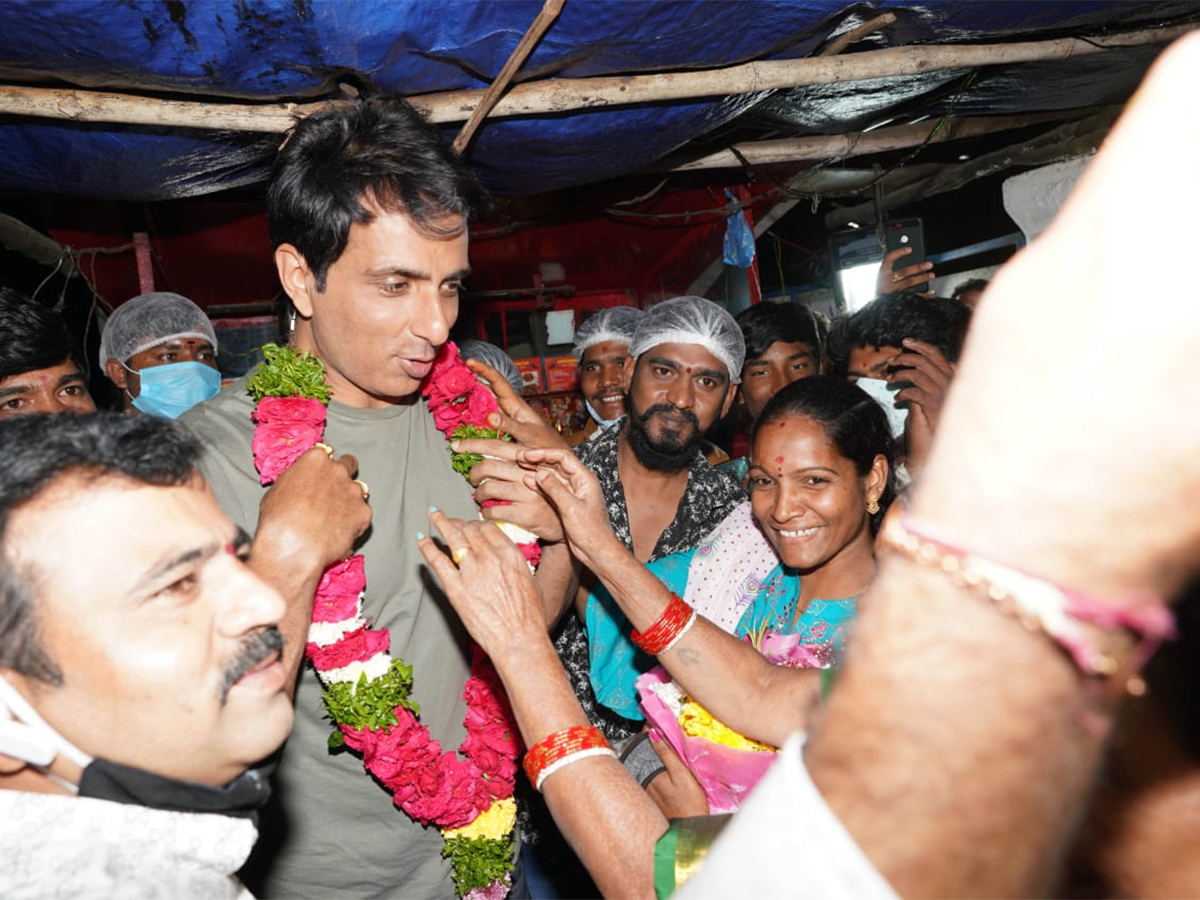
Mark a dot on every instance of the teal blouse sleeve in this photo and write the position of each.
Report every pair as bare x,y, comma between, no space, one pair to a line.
615,663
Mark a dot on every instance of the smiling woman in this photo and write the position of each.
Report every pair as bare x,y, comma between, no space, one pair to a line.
820,481
791,561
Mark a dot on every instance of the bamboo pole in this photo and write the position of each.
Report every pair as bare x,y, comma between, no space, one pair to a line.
564,95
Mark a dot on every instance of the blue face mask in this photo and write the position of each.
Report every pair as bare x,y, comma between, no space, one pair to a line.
171,390
603,423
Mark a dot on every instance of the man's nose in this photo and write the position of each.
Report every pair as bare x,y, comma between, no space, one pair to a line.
682,394
432,319
250,603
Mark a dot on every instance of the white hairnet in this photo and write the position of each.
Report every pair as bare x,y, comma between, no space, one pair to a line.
149,319
494,357
617,323
693,320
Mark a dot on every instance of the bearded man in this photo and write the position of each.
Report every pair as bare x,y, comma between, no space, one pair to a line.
663,496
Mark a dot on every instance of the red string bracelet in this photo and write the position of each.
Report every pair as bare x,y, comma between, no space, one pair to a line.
666,631
560,749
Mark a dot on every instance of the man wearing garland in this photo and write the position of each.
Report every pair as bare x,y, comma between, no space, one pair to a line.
141,681
368,212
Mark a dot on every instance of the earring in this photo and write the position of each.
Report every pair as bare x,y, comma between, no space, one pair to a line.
872,506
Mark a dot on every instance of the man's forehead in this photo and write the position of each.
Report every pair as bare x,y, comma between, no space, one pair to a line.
871,356
696,356
111,517
51,375
784,348
605,350
175,341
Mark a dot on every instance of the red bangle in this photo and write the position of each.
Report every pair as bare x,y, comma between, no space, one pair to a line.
556,750
667,629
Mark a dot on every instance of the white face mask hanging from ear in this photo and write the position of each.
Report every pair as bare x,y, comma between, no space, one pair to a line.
27,736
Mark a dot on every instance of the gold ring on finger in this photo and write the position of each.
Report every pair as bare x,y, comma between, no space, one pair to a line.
460,554
366,490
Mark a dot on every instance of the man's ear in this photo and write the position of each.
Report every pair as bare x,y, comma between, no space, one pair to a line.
730,393
116,373
627,370
294,276
15,737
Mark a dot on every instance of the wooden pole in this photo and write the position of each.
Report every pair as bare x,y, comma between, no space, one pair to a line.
844,146
545,18
1069,140
855,35
553,96
564,95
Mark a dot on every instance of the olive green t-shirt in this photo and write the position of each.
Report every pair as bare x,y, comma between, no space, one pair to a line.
331,830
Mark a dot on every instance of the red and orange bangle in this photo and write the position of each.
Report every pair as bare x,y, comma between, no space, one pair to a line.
666,631
560,749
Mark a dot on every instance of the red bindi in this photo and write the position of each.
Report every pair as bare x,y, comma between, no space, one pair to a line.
689,370
779,459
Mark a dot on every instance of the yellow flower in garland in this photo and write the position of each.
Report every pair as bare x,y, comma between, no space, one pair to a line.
494,824
699,722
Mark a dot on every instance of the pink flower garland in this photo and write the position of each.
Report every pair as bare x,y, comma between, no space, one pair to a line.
431,785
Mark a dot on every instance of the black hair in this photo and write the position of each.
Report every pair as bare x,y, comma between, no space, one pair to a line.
854,422
342,164
40,449
31,336
975,284
887,321
763,324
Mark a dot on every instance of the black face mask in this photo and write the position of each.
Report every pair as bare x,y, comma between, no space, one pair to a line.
241,798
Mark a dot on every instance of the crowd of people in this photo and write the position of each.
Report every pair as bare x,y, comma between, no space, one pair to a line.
885,649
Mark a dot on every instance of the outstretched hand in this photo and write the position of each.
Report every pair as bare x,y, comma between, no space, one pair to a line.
487,581
574,493
515,417
498,477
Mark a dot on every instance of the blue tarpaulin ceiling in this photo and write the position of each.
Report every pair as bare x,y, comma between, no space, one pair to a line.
301,50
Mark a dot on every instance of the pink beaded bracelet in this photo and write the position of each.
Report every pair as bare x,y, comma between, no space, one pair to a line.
1069,616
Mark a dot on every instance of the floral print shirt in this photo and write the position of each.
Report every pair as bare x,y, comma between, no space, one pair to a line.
709,497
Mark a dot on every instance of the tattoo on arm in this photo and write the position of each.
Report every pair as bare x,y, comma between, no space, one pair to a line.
688,656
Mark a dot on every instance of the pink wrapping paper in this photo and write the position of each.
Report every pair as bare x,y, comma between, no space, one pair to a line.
726,774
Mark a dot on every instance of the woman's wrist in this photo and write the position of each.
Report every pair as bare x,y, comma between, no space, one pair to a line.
603,554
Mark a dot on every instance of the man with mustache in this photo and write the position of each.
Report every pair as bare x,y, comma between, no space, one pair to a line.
684,364
140,673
